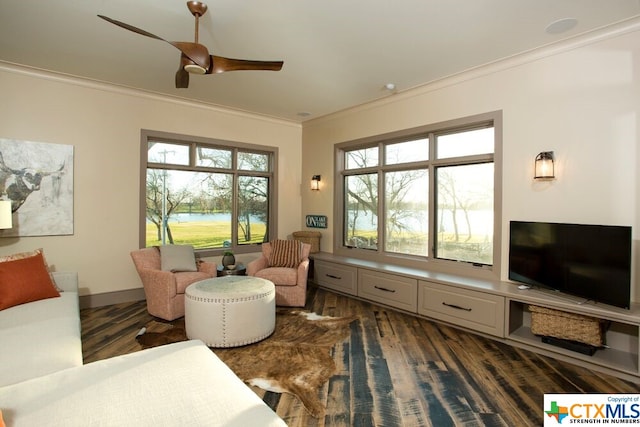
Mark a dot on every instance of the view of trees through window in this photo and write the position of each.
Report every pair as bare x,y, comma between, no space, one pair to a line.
428,196
206,196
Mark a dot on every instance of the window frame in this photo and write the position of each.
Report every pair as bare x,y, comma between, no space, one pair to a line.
429,263
147,135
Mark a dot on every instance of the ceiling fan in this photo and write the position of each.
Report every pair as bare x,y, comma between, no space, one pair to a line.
195,58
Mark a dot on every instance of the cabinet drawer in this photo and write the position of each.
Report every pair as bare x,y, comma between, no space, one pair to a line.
389,289
338,277
462,307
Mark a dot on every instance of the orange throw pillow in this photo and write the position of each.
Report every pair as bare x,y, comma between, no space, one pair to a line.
25,280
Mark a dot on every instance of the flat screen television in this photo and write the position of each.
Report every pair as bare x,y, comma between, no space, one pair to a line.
589,261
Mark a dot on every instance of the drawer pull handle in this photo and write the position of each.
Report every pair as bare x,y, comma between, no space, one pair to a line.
457,307
333,277
384,289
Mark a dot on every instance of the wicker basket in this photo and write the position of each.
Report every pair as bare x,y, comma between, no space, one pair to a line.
568,326
311,237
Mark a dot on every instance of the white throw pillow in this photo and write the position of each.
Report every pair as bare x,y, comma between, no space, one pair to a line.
176,258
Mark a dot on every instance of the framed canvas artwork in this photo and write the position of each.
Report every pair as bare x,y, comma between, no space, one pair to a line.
38,180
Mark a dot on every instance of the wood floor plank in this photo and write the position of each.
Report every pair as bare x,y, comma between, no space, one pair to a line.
453,381
395,370
338,395
361,393
338,399
462,409
386,411
395,340
100,337
473,367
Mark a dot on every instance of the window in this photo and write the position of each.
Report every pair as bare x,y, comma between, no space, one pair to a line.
214,195
423,196
464,196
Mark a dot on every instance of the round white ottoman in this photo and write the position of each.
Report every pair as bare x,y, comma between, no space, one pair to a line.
230,311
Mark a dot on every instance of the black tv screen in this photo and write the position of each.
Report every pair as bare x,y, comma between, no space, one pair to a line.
589,261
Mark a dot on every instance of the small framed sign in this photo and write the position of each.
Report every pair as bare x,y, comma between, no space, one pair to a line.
316,221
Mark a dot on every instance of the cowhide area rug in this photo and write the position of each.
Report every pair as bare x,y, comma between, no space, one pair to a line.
295,359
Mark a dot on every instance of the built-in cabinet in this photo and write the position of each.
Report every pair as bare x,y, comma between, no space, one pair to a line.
338,277
496,309
389,289
470,309
622,330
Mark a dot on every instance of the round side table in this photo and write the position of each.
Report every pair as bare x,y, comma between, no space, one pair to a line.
230,311
240,270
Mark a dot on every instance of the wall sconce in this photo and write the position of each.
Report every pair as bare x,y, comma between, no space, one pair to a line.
544,166
5,215
315,182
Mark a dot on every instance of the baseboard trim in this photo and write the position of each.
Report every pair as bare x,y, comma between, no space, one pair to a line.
109,298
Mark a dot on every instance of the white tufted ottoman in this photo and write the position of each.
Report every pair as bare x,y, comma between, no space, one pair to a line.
230,311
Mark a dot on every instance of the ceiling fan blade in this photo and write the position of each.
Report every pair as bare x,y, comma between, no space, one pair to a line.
196,52
182,78
131,28
222,64
195,57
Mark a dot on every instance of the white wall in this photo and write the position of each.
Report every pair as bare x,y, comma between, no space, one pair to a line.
579,99
103,124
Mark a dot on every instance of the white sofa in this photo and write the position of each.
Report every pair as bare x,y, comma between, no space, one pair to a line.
43,381
43,336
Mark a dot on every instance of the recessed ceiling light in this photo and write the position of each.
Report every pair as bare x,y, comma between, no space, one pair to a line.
390,86
304,114
561,25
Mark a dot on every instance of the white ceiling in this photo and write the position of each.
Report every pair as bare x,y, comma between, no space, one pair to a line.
336,53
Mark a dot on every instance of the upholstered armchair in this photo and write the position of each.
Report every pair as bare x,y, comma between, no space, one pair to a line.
286,264
164,283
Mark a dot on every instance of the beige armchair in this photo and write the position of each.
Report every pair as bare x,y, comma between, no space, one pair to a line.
291,282
164,290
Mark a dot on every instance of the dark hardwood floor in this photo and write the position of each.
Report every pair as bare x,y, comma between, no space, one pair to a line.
397,370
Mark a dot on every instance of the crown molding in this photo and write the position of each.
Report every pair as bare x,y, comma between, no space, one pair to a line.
605,33
69,79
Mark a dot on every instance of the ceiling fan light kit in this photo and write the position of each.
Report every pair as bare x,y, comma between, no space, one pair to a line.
195,57
195,69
